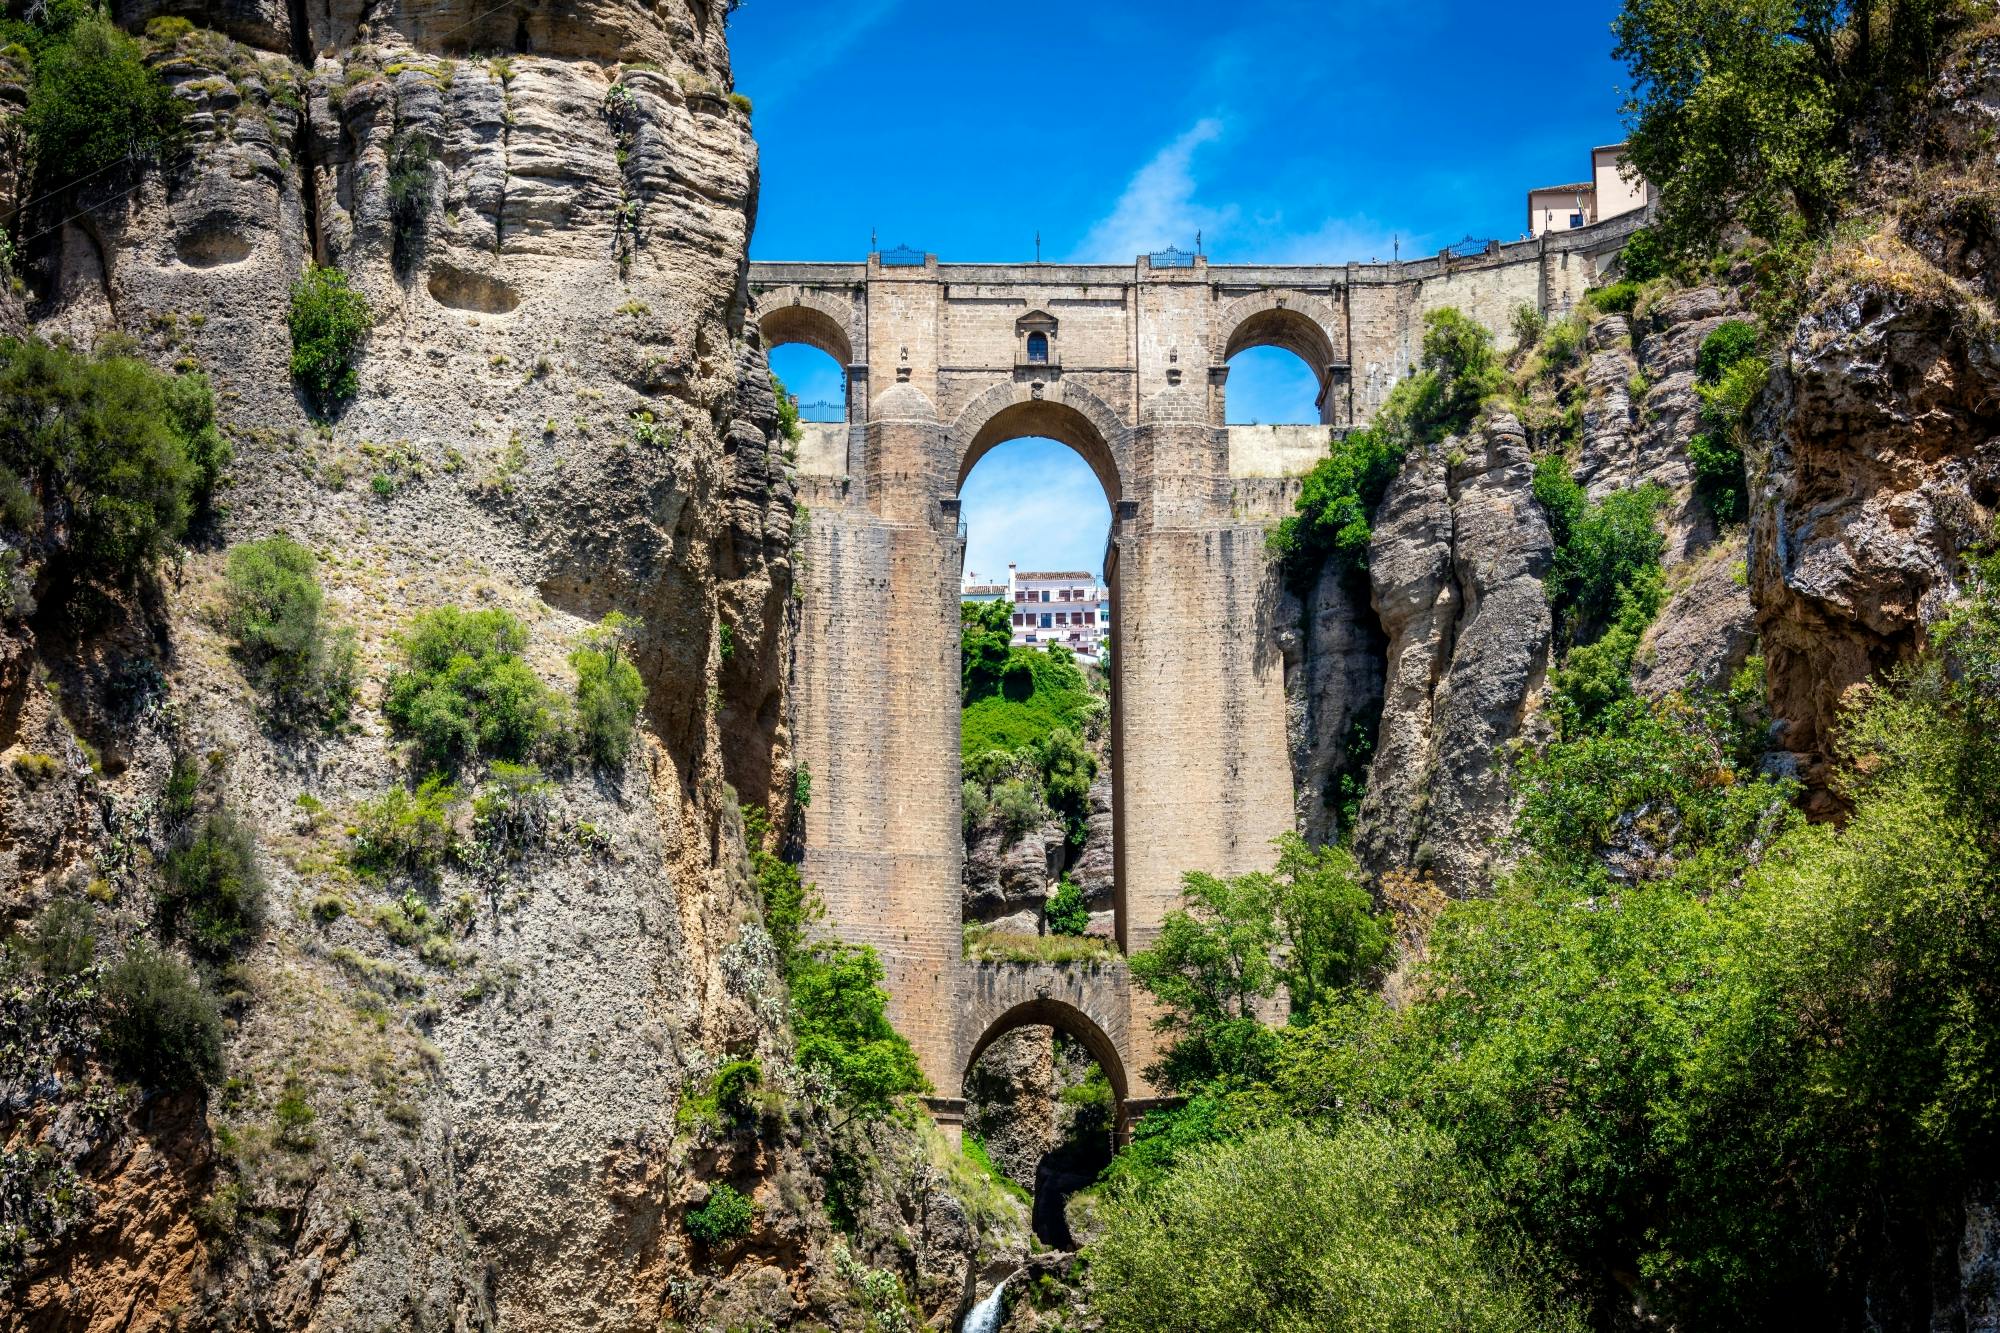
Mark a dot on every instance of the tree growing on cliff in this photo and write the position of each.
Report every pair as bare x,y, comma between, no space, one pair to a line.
103,460
328,320
1755,113
94,104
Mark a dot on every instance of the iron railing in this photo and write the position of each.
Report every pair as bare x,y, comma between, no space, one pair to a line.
902,257
1171,257
1469,247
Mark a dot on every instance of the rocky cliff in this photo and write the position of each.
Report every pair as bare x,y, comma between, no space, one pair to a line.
480,1122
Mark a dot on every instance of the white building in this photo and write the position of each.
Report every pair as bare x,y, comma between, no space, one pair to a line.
1068,606
1606,194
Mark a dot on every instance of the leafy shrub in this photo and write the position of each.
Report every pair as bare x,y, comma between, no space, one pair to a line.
788,411
1377,1226
741,101
984,648
409,831
328,321
464,689
511,811
410,157
1018,803
1527,324
103,460
1727,343
975,803
1615,298
1066,912
1643,257
1604,552
1729,374
161,1029
94,104
1310,925
726,1215
609,692
1068,769
212,892
274,604
840,1018
790,905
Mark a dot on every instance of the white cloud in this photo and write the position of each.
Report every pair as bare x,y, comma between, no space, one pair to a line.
1158,207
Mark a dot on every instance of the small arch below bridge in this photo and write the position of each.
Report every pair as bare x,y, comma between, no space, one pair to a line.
1090,1003
797,315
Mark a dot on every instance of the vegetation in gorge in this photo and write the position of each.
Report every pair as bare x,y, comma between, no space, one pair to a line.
609,692
104,461
464,690
1729,374
275,612
1715,1059
93,104
328,320
838,1007
1026,715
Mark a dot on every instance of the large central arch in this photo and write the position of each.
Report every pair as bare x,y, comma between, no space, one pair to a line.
1068,414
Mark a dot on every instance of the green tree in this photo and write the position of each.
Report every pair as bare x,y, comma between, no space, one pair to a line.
840,1017
1066,911
1068,769
212,891
1334,939
609,692
161,1028
464,689
1378,1226
985,633
94,104
103,460
1752,112
328,321
274,606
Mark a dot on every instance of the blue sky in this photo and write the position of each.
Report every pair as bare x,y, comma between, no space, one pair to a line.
1282,130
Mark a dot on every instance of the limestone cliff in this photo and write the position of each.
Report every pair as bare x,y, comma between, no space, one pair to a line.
559,414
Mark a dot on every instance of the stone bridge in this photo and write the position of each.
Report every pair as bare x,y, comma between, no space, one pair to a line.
1127,365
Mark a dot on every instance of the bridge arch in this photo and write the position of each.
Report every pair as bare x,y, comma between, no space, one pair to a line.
1066,413
1296,322
800,315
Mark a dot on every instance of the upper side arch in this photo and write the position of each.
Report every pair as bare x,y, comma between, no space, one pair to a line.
1299,322
1058,411
815,318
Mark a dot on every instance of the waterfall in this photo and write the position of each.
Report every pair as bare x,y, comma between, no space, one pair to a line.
985,1316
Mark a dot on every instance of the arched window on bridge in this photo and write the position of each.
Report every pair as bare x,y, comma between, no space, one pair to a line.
1271,386
1038,348
814,380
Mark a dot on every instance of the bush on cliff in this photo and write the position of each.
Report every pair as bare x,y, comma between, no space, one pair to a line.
103,460
275,614
1458,370
328,321
464,689
609,692
161,1028
94,103
211,894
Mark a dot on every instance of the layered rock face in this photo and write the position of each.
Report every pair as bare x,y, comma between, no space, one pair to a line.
559,414
1456,564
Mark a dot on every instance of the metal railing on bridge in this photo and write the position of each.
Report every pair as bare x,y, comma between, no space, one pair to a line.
1171,257
902,257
